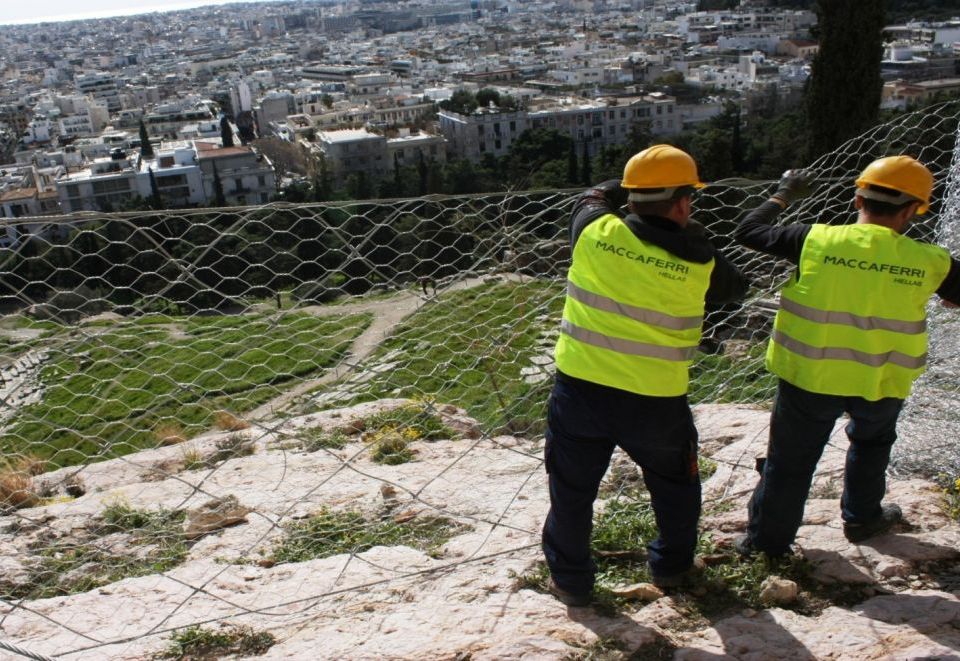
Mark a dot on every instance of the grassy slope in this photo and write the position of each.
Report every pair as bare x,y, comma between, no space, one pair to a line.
107,395
468,349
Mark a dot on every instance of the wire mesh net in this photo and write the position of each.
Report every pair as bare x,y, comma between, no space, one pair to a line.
335,381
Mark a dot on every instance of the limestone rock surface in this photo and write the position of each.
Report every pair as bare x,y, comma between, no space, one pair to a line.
462,596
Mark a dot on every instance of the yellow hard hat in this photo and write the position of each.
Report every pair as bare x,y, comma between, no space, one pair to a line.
904,174
660,167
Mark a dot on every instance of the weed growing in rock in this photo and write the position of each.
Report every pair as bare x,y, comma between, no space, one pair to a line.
197,643
317,438
621,533
169,433
391,447
951,496
330,533
16,490
534,579
229,422
17,487
231,447
149,542
602,649
193,459
389,433
416,419
121,517
706,466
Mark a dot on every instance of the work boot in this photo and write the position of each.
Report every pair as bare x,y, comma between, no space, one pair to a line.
858,532
680,579
576,599
746,549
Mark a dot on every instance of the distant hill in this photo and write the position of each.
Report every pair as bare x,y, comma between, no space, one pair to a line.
897,10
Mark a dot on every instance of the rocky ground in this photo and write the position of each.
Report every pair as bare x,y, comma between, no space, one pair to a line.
471,595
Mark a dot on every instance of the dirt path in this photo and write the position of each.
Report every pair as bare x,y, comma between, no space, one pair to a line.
387,315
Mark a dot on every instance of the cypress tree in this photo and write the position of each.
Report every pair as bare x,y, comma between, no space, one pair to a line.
218,197
146,149
226,133
156,202
586,170
572,165
843,94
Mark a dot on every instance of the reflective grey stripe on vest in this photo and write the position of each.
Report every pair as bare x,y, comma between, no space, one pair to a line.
629,347
843,353
849,319
643,315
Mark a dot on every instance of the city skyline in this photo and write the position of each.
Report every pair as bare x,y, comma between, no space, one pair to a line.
65,10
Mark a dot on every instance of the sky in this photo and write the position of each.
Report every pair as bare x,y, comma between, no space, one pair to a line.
17,11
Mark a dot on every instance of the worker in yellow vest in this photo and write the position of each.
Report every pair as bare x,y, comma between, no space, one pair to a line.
850,336
631,325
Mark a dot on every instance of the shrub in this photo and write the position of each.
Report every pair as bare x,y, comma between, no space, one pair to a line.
199,643
330,533
317,438
231,447
228,422
169,433
17,490
951,494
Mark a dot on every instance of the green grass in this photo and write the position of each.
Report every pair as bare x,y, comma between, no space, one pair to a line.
331,532
68,567
707,467
105,396
199,643
18,321
147,524
468,349
717,378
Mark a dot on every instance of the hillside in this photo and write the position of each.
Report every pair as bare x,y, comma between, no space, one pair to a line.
323,551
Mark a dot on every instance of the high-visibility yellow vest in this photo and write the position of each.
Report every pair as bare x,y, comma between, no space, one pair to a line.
852,319
633,312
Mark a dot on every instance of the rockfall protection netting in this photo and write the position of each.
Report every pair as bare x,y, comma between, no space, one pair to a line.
158,367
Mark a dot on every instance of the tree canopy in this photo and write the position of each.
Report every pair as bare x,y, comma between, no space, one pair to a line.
843,97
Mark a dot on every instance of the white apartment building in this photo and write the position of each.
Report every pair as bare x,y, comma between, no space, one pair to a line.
77,125
348,151
166,121
176,170
100,85
26,191
104,184
183,173
379,115
38,130
368,85
592,123
577,76
409,148
485,131
247,176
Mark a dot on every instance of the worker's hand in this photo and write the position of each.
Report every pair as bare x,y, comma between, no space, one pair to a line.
795,185
614,193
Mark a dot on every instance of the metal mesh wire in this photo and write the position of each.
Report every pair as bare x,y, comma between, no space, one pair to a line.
149,358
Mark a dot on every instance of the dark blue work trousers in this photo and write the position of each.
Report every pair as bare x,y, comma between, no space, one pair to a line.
585,421
799,430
